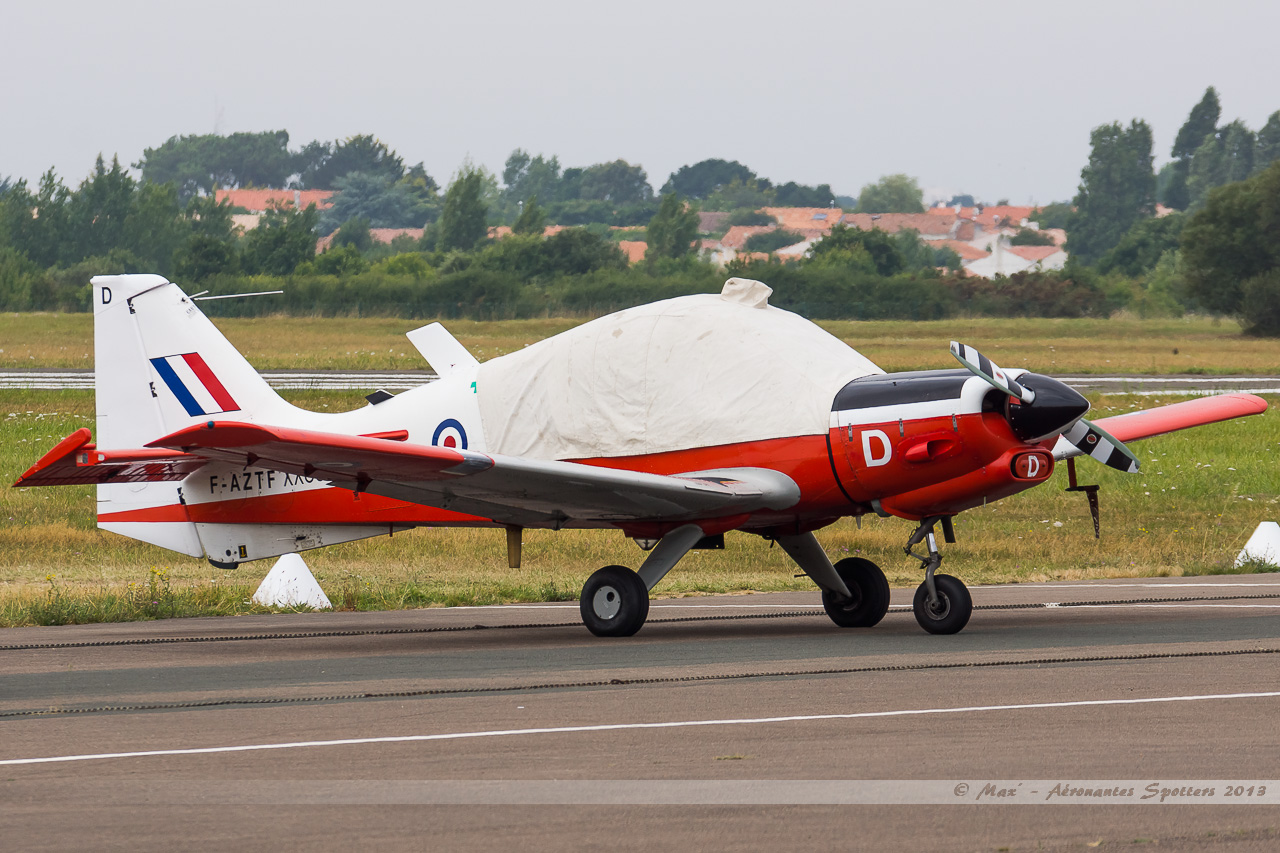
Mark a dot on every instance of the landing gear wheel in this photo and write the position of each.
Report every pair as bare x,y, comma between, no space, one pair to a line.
870,590
614,602
953,610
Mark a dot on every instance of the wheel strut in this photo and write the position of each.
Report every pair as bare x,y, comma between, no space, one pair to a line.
924,533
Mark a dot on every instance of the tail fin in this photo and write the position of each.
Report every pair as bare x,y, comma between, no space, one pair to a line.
160,366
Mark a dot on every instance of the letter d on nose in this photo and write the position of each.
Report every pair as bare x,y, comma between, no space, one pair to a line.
106,296
868,455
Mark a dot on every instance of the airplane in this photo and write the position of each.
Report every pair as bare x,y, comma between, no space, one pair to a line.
674,422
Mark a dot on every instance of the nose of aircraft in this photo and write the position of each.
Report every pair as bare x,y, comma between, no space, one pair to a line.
1056,407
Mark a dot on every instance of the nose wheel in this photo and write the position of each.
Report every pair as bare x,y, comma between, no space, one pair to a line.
942,604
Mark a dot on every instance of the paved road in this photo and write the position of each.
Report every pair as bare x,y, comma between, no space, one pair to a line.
768,729
401,380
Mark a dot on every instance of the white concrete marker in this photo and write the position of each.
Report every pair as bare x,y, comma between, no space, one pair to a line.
289,584
1263,546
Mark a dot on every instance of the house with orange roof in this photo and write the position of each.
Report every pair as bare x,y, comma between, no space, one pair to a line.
802,219
737,236
1008,260
260,201
379,235
634,250
928,226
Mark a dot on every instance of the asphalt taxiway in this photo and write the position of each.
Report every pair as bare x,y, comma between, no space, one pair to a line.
728,722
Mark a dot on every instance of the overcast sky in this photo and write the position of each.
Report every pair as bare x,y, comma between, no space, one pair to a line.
993,100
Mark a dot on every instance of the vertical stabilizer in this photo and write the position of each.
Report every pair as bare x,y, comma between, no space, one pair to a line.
161,365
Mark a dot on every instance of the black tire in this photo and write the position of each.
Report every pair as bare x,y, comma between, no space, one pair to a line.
870,590
614,602
955,606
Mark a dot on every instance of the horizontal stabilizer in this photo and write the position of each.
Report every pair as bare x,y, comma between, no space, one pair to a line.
441,350
77,461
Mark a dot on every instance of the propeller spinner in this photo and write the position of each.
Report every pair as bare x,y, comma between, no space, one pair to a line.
1060,410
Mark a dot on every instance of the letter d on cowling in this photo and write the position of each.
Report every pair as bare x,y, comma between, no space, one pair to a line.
886,450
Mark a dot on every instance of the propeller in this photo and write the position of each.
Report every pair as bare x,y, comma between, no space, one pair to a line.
1060,410
990,371
1092,440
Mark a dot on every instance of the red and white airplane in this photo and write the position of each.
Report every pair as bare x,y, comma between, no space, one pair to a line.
673,422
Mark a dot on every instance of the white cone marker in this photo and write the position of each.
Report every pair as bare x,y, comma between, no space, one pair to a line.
1263,546
290,584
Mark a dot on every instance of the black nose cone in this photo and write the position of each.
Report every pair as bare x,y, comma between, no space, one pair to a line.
1055,408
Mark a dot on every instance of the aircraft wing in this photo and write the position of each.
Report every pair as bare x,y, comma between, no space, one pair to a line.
1171,418
508,489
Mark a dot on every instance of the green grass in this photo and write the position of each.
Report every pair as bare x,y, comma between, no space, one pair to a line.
1200,495
1118,345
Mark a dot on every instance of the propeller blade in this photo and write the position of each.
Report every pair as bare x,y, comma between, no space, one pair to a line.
982,366
1093,440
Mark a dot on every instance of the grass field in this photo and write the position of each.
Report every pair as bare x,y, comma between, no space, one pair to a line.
1199,496
1118,345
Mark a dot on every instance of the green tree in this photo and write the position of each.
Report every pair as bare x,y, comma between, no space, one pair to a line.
36,223
17,280
1232,240
617,182
203,163
672,229
1208,170
737,195
97,211
383,202
284,238
463,220
1202,121
1055,215
884,251
203,256
1268,150
340,261
1117,188
205,215
1027,237
525,177
155,228
772,241
576,251
705,177
355,233
532,219
1141,248
792,194
892,194
363,153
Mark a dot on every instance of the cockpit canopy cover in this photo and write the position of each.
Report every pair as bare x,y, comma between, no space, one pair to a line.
695,371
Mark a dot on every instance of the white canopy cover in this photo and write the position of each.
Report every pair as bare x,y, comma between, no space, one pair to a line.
695,371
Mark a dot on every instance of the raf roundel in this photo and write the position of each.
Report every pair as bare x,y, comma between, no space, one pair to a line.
450,434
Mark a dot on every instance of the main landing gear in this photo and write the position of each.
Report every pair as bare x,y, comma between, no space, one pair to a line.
855,593
942,604
615,600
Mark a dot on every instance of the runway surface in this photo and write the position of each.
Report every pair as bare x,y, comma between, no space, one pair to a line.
400,380
728,722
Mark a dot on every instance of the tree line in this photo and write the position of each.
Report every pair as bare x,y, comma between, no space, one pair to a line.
1218,251
53,237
